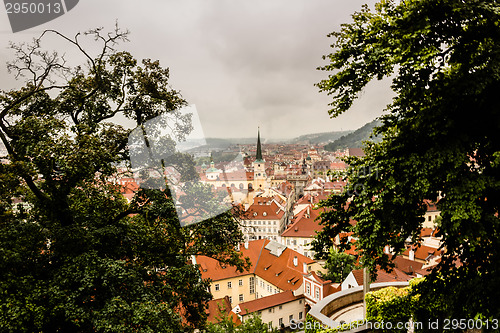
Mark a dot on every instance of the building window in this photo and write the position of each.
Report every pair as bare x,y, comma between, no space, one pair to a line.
300,315
290,318
217,288
240,298
229,285
316,292
240,282
281,307
280,322
252,285
308,288
230,300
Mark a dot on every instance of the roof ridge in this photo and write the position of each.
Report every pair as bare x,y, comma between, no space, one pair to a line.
258,258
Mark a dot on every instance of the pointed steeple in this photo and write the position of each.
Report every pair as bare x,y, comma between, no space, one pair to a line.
258,156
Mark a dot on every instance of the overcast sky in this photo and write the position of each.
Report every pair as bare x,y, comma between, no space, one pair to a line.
242,63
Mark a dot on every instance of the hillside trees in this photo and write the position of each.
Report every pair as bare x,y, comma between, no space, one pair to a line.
441,142
75,256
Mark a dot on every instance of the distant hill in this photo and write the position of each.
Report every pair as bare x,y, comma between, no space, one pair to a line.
317,138
354,139
312,139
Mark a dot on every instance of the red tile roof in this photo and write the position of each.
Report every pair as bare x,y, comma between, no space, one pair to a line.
268,302
306,224
261,210
408,266
277,270
217,308
422,252
382,276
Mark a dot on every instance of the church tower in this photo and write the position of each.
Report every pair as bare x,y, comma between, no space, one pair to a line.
259,167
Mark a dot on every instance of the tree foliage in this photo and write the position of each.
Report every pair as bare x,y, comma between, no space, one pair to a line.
338,265
75,256
441,138
253,324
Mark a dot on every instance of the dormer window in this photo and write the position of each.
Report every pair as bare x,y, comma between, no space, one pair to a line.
254,214
264,214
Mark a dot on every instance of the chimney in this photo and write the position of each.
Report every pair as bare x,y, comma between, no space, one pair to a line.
246,245
304,268
295,261
411,254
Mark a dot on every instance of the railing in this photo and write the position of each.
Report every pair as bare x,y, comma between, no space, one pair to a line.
327,307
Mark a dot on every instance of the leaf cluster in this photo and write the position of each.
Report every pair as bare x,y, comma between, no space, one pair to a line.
75,255
440,141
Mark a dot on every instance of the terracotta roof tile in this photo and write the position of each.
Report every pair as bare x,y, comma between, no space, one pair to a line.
268,302
306,224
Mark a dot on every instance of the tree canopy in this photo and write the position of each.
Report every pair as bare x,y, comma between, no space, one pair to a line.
338,266
441,142
75,256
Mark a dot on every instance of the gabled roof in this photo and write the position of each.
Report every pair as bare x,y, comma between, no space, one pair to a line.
210,268
217,308
328,287
423,252
407,266
271,261
267,302
281,271
261,210
305,224
382,276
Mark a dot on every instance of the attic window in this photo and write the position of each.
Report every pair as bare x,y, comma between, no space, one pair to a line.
254,214
264,214
266,268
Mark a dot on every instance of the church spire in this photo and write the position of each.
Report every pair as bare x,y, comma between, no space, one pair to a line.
258,156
